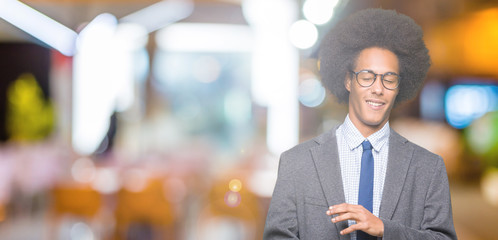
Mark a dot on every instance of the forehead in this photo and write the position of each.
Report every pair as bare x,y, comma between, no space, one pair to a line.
377,59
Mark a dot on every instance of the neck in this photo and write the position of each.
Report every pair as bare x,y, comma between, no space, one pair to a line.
365,129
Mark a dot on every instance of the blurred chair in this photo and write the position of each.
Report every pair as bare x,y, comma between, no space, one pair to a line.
73,201
144,214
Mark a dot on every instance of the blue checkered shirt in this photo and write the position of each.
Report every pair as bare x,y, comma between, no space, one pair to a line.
349,141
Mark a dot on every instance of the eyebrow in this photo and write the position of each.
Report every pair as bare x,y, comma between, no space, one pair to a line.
376,72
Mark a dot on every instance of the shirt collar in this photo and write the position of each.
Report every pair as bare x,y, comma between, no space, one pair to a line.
354,138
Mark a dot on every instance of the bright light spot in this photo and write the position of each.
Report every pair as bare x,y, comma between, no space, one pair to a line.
311,92
94,91
97,33
319,11
135,180
109,61
269,21
39,26
206,69
106,181
128,42
465,103
204,37
232,199
81,231
303,34
275,68
83,170
235,185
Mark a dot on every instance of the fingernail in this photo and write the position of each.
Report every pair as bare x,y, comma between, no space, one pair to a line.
333,219
328,212
331,207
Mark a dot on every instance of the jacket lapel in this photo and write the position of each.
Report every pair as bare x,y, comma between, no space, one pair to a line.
400,155
326,159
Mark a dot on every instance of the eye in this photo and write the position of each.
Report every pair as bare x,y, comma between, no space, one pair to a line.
366,76
391,77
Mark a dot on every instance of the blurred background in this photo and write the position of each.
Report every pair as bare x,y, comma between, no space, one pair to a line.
147,119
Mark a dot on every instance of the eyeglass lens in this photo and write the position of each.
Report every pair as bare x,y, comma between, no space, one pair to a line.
367,78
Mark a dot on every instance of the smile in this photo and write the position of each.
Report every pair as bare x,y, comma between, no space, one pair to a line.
375,104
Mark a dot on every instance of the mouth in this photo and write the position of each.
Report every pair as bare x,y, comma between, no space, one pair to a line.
375,104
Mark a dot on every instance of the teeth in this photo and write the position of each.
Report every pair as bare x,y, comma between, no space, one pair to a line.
374,104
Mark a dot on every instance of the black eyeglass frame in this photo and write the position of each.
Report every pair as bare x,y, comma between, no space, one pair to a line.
375,78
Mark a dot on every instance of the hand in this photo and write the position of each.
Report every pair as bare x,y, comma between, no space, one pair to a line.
365,220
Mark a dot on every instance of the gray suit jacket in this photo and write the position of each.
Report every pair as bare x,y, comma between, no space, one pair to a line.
415,203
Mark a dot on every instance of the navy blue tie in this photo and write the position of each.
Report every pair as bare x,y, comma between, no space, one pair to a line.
365,195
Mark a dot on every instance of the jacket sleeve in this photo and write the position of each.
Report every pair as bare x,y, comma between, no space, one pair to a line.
281,221
437,221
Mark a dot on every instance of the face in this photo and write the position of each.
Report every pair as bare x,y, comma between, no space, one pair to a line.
370,107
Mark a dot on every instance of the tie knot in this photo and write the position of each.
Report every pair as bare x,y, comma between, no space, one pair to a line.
366,145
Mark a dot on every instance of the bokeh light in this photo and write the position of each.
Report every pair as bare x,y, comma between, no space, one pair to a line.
303,34
482,137
81,231
95,87
465,103
135,180
319,11
311,92
83,170
235,185
106,181
232,199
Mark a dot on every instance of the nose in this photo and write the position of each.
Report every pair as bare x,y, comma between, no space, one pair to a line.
377,87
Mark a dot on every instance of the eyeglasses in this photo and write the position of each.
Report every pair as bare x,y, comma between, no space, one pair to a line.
366,78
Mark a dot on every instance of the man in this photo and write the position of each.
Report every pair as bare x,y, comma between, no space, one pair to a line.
362,180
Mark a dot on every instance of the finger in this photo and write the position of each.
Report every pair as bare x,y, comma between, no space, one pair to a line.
350,229
339,208
343,208
343,217
335,211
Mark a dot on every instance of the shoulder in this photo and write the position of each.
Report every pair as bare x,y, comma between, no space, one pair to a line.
305,147
301,153
420,155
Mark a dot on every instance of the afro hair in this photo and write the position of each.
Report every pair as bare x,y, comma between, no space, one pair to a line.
381,28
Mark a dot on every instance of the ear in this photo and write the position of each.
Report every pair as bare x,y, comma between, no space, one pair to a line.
347,83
